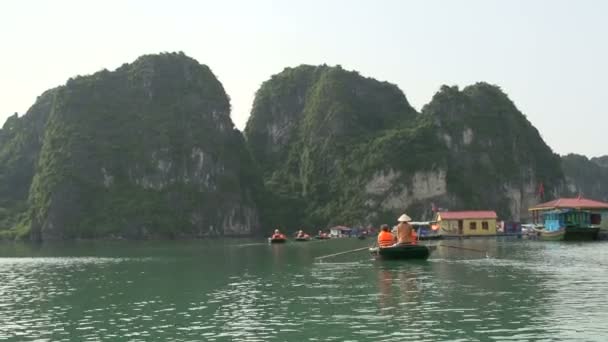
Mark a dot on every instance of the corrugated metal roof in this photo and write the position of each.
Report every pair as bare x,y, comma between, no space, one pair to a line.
471,214
577,203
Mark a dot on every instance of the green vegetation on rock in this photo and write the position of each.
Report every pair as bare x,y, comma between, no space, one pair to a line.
148,150
315,132
339,148
496,157
588,178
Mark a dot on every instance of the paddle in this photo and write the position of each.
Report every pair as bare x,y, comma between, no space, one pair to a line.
336,254
465,248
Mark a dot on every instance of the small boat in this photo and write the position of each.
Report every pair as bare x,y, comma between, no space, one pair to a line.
401,252
555,235
301,239
279,239
322,237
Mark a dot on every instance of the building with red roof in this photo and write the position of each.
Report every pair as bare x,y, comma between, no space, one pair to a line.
571,203
569,212
470,222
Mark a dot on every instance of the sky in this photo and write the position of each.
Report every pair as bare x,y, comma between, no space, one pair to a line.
550,57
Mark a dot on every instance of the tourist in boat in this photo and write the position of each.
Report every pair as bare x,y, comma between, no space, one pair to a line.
302,235
404,230
277,234
385,238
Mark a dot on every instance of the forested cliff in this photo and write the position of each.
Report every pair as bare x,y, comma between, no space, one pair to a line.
150,151
336,147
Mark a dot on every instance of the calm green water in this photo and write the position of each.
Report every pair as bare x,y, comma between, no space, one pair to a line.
244,290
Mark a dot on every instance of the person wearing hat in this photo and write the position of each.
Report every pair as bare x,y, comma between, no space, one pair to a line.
404,230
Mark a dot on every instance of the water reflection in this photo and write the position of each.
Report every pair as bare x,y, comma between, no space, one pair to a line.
398,285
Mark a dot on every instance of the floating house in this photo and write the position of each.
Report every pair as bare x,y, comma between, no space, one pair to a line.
467,223
340,231
569,218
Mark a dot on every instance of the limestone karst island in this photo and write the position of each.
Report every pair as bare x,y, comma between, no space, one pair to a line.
149,150
133,209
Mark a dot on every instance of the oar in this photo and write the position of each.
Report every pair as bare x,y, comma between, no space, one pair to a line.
336,254
465,248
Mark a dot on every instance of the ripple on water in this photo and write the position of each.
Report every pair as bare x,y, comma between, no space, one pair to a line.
553,293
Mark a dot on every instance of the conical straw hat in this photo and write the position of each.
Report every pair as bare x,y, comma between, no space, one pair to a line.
404,218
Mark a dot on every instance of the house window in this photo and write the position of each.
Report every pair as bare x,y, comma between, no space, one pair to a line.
472,225
484,225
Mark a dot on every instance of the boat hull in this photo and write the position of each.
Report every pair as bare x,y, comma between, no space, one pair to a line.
571,234
557,235
581,233
402,252
302,239
277,240
430,237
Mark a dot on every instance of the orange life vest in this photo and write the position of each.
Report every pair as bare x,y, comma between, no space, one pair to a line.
385,239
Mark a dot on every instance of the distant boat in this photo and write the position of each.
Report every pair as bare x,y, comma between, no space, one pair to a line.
401,252
303,238
427,230
277,239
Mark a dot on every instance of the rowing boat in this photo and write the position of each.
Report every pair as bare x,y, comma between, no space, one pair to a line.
401,252
277,240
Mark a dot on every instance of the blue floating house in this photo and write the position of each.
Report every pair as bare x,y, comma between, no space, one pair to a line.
569,218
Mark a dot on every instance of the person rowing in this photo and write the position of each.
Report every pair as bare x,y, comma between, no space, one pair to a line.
277,234
302,235
405,232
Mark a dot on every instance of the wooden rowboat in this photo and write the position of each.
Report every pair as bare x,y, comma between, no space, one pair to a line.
401,252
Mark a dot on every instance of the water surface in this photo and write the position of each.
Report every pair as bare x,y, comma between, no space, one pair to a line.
247,290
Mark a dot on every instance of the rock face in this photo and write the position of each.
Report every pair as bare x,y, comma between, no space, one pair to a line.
148,150
315,131
586,177
20,144
497,159
338,148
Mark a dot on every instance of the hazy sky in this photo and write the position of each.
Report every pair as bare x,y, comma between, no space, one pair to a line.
550,57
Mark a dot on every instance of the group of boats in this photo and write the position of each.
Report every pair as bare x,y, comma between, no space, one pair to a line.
397,252
279,237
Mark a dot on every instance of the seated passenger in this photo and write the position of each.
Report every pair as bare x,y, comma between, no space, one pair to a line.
277,235
385,238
